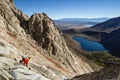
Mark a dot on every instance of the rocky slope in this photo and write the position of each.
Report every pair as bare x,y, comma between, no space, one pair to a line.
108,73
38,38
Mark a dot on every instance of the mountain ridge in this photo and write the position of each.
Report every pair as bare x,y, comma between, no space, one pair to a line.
39,38
107,26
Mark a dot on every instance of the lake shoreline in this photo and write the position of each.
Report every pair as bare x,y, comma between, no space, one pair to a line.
89,45
84,36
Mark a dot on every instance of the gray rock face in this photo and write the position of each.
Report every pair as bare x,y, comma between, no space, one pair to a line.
38,38
44,31
16,71
9,19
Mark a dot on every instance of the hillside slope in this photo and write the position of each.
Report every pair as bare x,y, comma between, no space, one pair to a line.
107,26
112,42
38,38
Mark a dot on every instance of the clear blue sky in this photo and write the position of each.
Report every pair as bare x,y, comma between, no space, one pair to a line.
57,9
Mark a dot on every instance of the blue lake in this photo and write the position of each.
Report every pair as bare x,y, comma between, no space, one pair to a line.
89,45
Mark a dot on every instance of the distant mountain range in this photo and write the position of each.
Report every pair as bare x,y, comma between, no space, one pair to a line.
77,23
102,19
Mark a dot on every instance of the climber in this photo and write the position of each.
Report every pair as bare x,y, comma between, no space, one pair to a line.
25,60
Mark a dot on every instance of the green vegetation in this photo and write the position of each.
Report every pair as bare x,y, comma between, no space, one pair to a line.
102,58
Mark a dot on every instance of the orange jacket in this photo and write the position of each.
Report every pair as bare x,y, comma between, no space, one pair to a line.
26,60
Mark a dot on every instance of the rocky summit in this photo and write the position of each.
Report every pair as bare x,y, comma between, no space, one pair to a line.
38,38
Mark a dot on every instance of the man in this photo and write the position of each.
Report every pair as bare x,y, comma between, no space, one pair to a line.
25,61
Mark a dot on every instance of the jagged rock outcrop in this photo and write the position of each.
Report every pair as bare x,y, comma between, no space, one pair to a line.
9,20
44,31
38,38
